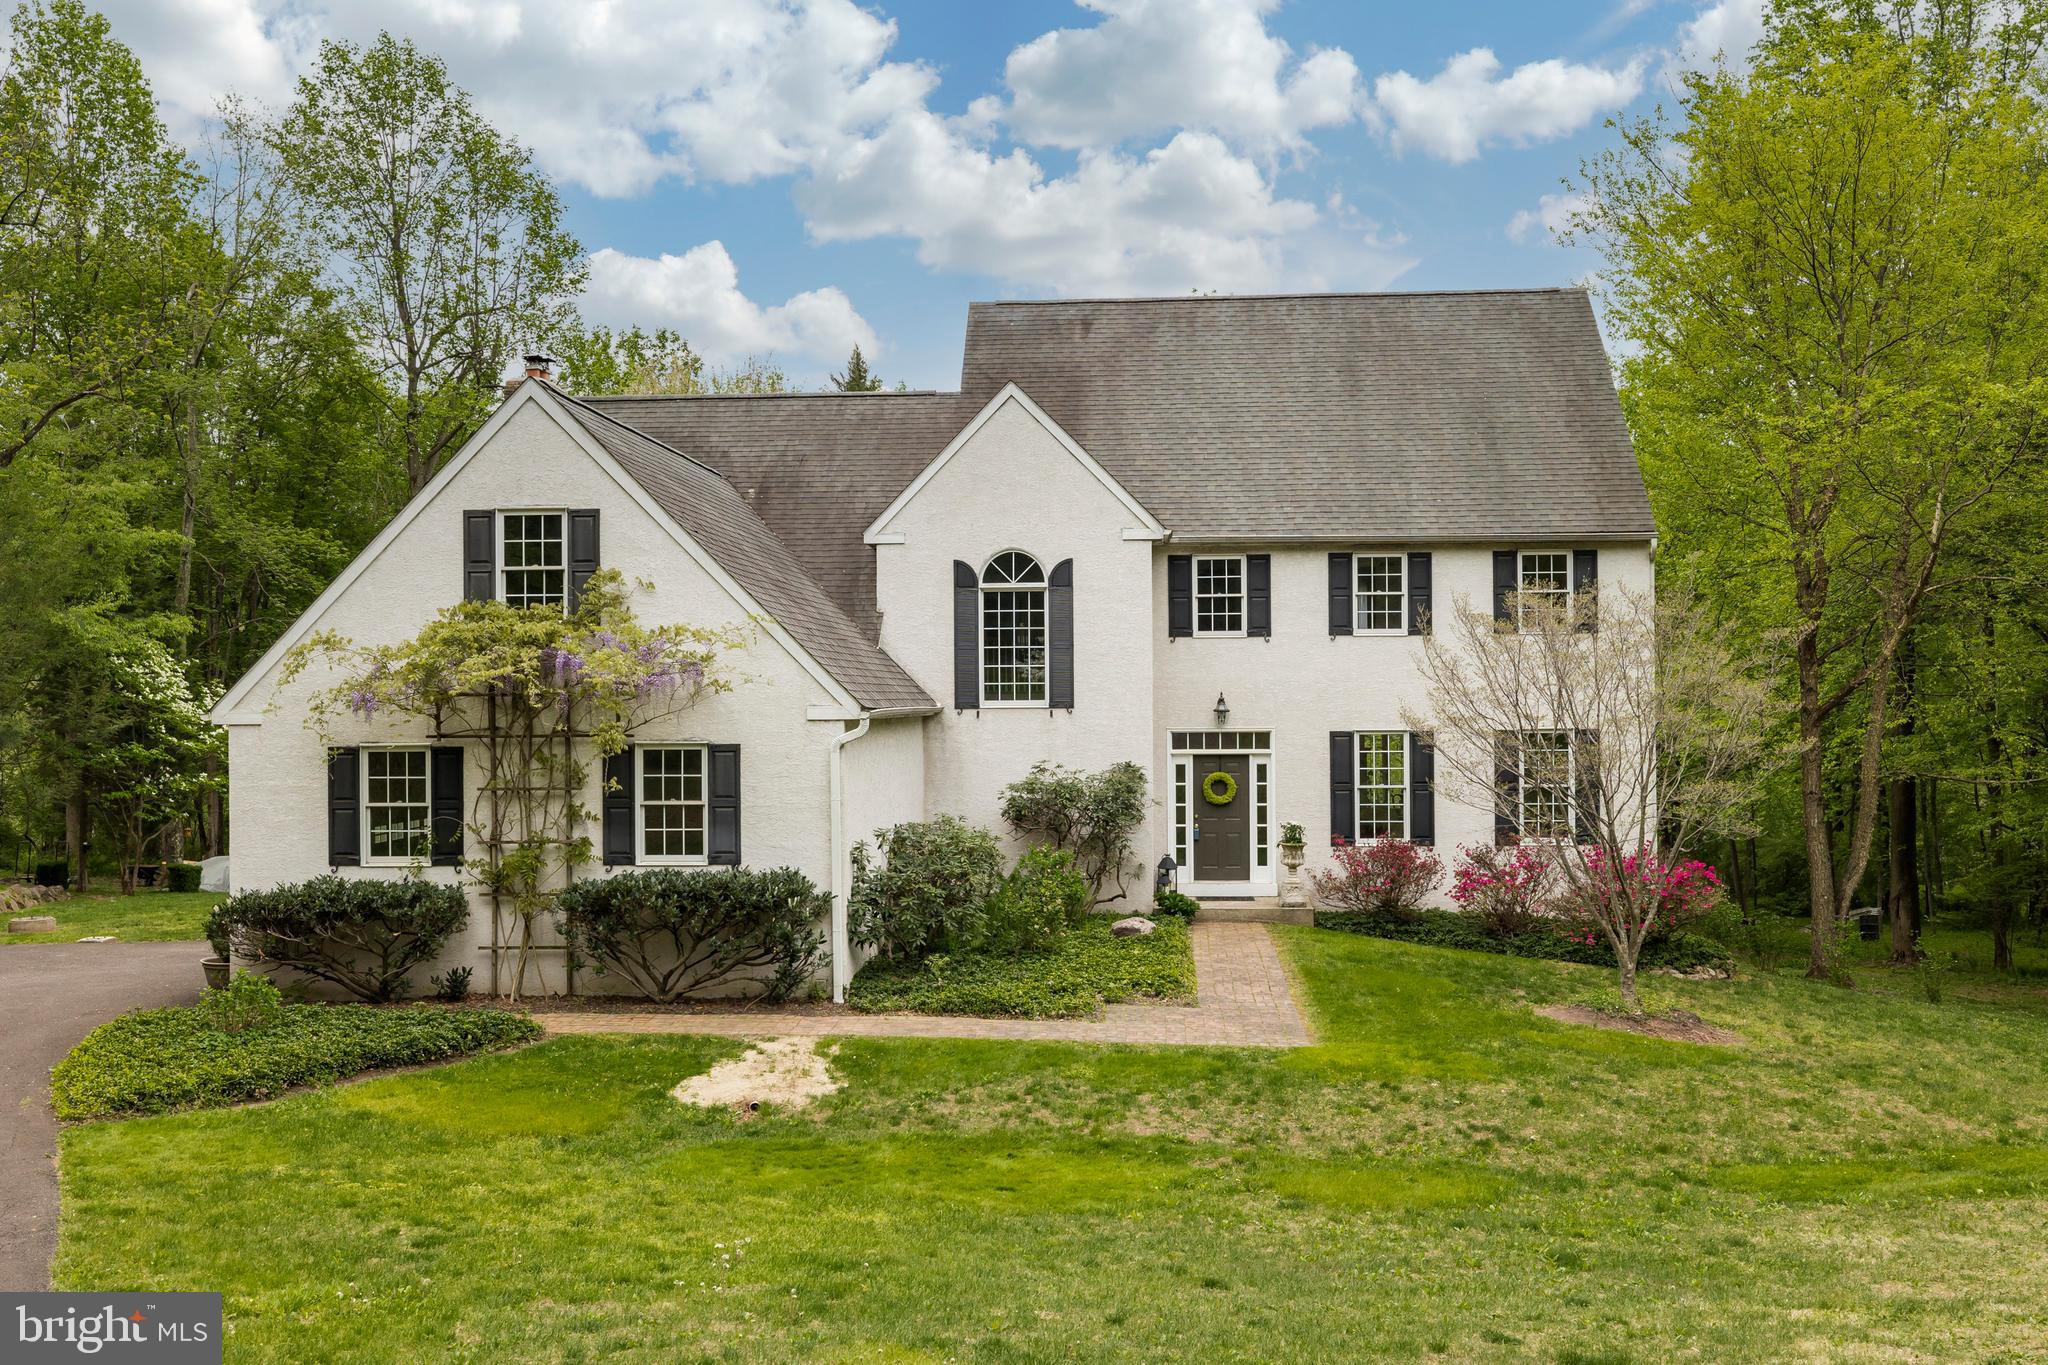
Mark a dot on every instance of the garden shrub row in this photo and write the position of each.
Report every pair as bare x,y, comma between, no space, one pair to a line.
1452,929
156,1061
1084,969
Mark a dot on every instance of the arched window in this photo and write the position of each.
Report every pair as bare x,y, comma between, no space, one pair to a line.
1013,631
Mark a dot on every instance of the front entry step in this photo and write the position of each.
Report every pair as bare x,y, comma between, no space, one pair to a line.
1264,910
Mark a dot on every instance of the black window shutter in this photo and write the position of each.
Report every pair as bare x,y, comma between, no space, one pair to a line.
1507,790
1340,594
723,785
1258,595
618,809
582,551
480,555
1586,789
1059,636
1585,589
966,638
1421,790
444,791
1419,604
1343,784
344,809
1180,596
1506,582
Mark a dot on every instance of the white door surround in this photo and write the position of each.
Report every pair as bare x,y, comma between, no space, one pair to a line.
1183,786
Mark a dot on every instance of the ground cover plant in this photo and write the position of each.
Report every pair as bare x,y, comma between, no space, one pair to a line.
240,1043
145,917
1072,976
1444,1174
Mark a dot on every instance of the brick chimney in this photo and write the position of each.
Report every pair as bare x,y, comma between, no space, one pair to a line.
537,367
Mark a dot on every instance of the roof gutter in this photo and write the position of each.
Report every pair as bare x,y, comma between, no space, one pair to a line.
842,862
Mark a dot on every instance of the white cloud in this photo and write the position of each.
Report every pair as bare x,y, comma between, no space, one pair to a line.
1469,104
1156,65
698,293
1552,214
1729,28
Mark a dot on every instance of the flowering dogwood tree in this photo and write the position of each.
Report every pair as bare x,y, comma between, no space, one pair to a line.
542,693
1602,731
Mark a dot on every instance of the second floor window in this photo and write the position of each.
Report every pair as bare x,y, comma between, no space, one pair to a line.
1013,644
1546,581
1382,593
530,559
1219,595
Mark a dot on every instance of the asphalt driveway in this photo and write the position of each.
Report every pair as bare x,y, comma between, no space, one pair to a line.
51,995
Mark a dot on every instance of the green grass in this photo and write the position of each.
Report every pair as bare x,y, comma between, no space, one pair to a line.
154,1061
1446,1174
1088,968
145,917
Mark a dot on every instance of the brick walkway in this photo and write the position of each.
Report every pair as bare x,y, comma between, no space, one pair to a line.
1242,999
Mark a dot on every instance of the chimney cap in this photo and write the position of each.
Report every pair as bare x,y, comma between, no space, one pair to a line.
538,366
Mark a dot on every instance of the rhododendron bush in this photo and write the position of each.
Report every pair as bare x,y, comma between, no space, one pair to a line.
1641,891
1504,889
1379,877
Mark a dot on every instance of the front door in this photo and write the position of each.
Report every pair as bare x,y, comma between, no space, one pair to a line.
1223,838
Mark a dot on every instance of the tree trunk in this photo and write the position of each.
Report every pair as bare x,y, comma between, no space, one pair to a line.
77,836
1629,999
1813,809
1902,889
2001,928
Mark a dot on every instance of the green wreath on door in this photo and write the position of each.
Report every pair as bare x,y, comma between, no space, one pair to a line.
1219,788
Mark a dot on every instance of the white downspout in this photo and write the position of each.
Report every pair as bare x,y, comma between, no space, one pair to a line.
842,864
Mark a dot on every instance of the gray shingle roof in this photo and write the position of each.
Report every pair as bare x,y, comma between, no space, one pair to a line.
1412,417
712,511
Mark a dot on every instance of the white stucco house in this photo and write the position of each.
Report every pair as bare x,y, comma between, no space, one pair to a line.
1202,534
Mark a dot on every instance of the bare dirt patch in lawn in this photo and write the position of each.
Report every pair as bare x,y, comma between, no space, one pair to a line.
786,1072
1679,1026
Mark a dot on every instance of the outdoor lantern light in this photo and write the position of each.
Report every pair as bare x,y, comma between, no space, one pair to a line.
1222,710
1167,868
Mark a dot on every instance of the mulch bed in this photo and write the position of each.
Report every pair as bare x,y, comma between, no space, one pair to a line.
1679,1026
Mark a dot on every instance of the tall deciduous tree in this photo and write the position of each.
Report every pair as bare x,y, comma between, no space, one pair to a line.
444,241
1830,275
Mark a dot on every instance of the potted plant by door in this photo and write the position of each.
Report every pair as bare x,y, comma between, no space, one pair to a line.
1293,847
218,967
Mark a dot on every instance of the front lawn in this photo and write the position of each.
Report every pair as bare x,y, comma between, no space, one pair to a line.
1446,1174
1087,968
148,916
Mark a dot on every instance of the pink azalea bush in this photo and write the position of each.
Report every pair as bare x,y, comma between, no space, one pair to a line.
1380,877
1504,889
1672,894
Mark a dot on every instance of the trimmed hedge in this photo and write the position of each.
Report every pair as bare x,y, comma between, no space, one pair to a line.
363,936
155,1061
1087,968
1449,929
182,876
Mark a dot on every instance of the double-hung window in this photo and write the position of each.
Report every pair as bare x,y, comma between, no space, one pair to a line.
1219,594
1013,635
1382,784
1381,593
670,803
1546,787
1545,583
397,816
531,565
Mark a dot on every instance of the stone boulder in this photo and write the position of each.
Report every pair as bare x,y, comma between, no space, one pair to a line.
32,924
1137,926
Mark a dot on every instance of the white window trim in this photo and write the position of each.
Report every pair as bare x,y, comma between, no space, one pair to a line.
498,549
1521,576
363,803
1243,597
981,633
1571,790
1357,613
1358,786
641,857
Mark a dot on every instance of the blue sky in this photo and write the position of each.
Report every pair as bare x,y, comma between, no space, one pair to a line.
787,177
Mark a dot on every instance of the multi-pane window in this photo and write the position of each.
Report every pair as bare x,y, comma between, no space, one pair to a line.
1382,596
1546,582
396,815
530,559
1219,595
671,803
1546,796
1013,630
1382,784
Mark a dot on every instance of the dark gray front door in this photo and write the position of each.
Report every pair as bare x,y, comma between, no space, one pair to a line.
1223,834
